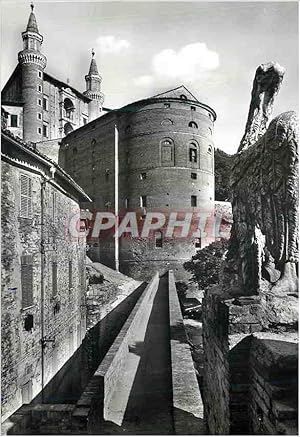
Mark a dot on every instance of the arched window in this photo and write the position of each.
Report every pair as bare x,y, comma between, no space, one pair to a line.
193,124
183,97
93,142
209,150
193,154
167,152
166,122
69,108
68,128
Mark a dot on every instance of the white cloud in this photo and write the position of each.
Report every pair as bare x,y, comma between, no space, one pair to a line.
186,65
112,44
143,80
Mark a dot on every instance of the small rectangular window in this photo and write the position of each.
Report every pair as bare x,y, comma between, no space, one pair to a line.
193,175
143,201
45,104
143,176
45,130
39,116
158,239
39,129
193,201
54,278
198,243
127,203
13,120
40,102
84,120
40,89
193,108
25,196
167,105
28,322
27,280
40,75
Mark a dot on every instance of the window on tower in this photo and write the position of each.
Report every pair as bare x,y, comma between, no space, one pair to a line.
45,104
45,130
13,120
193,201
193,155
193,125
40,74
158,239
143,201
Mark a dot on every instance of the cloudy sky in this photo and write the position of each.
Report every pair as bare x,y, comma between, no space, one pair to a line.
143,48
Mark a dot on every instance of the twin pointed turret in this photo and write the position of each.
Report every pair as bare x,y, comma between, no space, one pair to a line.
93,89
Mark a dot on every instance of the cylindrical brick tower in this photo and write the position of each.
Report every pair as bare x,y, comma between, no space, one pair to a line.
33,63
166,165
93,90
169,149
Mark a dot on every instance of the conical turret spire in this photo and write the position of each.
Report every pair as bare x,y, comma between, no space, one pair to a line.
93,67
32,24
93,89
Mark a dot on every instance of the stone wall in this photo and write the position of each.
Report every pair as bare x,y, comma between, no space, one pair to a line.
274,388
62,306
187,402
246,371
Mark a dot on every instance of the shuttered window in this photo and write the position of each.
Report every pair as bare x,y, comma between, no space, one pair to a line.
54,278
27,280
25,196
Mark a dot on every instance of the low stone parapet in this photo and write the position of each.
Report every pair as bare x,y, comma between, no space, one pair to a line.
187,402
94,405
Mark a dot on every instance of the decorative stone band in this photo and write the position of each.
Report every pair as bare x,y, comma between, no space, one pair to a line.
94,95
95,77
32,35
25,57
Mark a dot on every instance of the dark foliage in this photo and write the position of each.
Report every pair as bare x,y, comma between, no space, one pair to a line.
205,265
223,163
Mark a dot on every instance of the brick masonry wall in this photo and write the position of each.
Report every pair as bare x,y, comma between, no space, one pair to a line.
88,155
21,349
